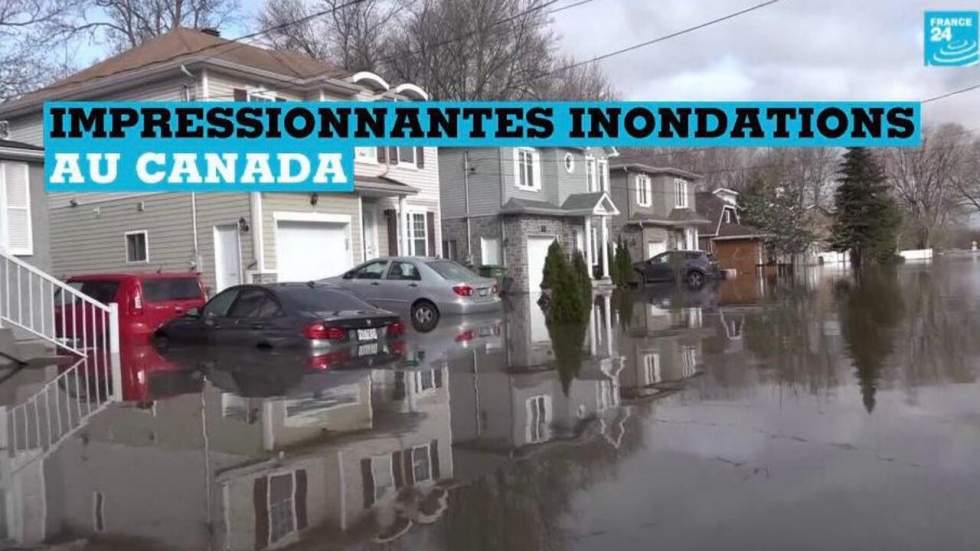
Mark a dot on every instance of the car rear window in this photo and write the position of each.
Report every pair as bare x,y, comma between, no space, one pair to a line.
452,270
319,299
102,291
166,289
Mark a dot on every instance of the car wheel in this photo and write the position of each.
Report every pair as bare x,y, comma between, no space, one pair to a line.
695,279
425,316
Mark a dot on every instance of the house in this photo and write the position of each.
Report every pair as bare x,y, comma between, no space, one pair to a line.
658,209
737,246
233,238
24,247
505,206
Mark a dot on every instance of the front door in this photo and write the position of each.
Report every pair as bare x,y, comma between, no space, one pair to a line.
370,225
227,257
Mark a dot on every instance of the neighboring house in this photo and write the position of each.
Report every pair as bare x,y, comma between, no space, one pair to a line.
23,234
737,246
658,209
234,238
505,206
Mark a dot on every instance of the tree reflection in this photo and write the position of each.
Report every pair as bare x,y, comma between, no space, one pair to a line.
567,341
870,309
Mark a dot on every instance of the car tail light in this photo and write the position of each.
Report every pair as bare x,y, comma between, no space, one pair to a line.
463,290
494,290
320,332
396,329
465,336
326,361
136,303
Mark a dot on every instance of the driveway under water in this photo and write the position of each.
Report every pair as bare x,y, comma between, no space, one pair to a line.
818,411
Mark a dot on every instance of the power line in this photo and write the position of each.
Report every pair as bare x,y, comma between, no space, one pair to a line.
656,40
952,93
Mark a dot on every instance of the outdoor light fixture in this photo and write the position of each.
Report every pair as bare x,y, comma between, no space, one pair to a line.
314,199
243,225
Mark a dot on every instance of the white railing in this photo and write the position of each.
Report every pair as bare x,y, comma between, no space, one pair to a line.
42,305
37,427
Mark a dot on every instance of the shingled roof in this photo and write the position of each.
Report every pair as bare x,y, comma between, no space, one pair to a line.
711,207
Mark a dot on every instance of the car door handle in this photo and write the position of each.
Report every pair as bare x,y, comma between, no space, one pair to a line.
375,283
413,284
258,326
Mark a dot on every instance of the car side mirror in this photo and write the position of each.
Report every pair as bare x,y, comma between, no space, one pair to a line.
193,313
349,275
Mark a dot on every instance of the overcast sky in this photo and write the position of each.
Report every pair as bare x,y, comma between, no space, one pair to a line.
794,49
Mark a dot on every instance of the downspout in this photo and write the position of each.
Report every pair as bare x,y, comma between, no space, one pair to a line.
503,236
196,260
466,194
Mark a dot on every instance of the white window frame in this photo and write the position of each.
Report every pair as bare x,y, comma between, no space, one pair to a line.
644,190
535,168
689,361
591,176
541,431
568,161
498,250
651,367
367,155
419,387
727,216
27,250
680,193
261,95
603,174
428,458
411,231
385,463
290,536
146,246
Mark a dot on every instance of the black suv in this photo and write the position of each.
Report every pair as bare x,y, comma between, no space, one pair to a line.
691,267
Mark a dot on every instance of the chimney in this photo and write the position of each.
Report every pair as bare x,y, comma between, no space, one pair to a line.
211,31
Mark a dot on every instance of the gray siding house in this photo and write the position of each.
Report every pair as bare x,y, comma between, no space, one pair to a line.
505,206
657,208
233,238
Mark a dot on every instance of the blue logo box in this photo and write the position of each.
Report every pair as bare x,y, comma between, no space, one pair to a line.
951,38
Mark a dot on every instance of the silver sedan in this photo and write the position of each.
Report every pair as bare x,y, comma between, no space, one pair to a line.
426,287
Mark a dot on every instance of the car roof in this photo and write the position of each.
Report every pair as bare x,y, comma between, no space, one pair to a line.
409,258
134,275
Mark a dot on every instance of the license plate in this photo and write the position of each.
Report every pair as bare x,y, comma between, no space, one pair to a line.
484,292
367,334
367,349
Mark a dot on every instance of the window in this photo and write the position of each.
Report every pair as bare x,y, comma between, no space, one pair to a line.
401,156
365,155
490,251
643,190
419,234
421,464
690,361
371,270
383,474
15,208
603,174
651,368
429,379
254,303
538,419
590,174
102,291
219,305
261,96
452,270
162,290
569,162
406,155
728,216
404,271
450,249
282,521
136,247
527,168
680,193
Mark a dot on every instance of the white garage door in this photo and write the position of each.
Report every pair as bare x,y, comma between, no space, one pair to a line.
308,251
537,251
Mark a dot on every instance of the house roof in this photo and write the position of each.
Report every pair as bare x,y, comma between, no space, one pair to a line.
711,207
10,149
685,216
578,204
183,46
655,170
19,145
383,186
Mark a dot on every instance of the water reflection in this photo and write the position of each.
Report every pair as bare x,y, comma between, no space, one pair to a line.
669,411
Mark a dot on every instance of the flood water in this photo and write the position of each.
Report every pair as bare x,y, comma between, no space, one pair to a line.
813,411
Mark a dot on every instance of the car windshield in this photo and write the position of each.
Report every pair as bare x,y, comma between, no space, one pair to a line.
162,290
452,270
320,299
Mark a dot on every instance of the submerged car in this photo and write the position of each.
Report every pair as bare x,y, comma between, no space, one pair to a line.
283,315
427,287
691,267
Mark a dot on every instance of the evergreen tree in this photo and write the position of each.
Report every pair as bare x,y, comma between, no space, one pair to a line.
622,266
581,269
553,264
767,206
867,218
567,304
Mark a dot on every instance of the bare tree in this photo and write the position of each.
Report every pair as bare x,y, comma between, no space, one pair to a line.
967,176
32,33
577,82
352,36
924,181
128,23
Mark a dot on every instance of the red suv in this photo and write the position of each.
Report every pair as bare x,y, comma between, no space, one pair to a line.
146,301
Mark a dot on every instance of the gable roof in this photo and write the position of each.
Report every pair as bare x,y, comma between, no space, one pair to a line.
655,170
712,207
183,46
10,149
578,204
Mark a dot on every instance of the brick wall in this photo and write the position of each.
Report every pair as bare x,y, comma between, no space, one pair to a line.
516,231
480,226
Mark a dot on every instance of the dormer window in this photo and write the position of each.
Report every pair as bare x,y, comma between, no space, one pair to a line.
643,190
680,193
728,216
527,168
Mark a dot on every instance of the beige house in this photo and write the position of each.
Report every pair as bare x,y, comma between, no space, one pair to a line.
234,238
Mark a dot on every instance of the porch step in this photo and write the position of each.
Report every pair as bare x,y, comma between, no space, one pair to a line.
24,352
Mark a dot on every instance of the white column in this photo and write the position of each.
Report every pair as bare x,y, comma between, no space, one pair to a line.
605,247
589,254
402,227
607,303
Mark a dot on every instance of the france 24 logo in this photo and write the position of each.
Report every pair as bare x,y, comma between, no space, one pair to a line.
951,38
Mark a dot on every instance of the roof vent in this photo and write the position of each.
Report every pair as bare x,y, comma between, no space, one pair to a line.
211,31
